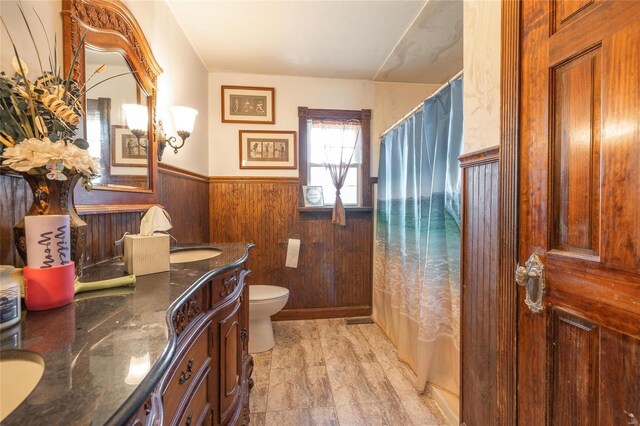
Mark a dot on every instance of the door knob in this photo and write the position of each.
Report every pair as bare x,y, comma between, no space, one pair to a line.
531,276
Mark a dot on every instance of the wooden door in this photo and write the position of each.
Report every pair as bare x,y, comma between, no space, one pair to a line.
579,359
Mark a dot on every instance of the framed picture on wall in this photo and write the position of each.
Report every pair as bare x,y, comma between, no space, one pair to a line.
313,196
242,104
125,149
268,149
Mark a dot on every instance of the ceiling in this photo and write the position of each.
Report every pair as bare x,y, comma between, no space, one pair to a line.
398,41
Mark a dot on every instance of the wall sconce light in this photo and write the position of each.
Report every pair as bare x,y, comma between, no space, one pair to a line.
184,119
137,121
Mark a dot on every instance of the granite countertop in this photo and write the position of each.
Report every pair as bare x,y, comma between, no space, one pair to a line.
89,345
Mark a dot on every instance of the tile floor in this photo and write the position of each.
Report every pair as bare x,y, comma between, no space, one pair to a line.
324,372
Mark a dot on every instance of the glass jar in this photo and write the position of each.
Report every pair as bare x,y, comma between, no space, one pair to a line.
9,296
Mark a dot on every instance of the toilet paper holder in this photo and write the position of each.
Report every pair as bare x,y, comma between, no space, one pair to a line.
291,235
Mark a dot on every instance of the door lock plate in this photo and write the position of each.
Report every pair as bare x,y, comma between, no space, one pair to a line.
531,276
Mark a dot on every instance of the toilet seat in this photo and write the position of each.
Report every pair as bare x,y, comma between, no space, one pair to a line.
266,293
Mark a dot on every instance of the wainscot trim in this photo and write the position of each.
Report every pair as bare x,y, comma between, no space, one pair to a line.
331,312
482,156
113,208
253,179
180,172
330,209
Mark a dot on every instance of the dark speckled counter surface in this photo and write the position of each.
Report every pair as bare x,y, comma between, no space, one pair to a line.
89,345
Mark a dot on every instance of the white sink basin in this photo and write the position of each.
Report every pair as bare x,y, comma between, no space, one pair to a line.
20,371
193,255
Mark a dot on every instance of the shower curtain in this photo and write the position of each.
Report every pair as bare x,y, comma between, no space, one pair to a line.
417,253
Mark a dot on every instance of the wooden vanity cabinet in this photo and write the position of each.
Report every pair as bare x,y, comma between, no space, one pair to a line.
208,380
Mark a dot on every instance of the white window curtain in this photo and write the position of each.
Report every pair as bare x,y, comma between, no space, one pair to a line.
338,143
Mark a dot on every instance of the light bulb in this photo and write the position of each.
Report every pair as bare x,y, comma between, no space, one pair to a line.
137,117
183,118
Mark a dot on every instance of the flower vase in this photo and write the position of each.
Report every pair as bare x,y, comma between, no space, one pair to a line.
54,197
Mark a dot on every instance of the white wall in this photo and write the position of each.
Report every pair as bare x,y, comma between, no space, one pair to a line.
213,147
290,93
391,101
49,12
184,81
481,74
388,102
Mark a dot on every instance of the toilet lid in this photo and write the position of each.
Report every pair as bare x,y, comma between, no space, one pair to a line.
266,292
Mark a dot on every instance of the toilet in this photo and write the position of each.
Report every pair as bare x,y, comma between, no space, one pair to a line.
264,301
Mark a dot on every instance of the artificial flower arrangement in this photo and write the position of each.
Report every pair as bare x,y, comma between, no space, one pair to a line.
39,119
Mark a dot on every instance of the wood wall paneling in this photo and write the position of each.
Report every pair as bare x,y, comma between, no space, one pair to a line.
479,296
334,273
102,232
184,194
15,200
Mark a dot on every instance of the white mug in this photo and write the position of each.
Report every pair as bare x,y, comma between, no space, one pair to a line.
48,240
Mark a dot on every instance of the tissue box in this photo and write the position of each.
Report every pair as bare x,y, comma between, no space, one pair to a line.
146,254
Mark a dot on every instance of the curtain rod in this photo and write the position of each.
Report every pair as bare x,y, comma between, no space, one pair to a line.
420,105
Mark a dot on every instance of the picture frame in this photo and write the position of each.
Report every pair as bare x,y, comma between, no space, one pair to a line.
268,149
244,104
313,196
125,151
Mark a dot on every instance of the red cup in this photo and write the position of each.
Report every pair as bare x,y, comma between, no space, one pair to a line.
48,288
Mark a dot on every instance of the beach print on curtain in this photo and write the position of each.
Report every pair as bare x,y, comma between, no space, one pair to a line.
417,253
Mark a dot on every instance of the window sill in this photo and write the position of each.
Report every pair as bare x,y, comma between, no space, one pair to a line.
325,212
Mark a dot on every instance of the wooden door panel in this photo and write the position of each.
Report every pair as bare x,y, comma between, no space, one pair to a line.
566,11
573,352
597,24
621,149
575,160
619,387
230,359
593,373
579,285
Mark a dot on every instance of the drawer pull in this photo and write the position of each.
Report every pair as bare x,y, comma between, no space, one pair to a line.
188,423
186,375
243,334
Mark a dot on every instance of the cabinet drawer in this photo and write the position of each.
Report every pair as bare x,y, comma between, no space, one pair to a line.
182,377
197,411
224,286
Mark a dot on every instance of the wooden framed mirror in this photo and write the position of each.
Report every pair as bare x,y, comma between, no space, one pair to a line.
112,36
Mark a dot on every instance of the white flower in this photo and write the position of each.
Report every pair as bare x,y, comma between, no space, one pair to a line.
34,153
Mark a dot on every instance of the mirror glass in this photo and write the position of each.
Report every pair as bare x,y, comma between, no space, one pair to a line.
123,158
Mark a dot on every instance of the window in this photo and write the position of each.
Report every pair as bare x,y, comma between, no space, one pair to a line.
329,136
333,142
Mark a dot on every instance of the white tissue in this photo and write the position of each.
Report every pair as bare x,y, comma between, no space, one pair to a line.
155,219
293,250
48,241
